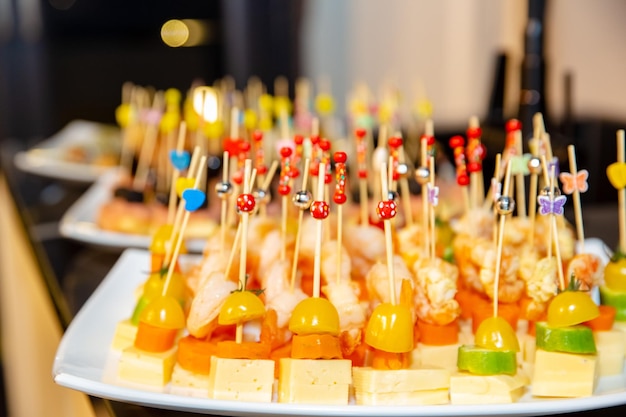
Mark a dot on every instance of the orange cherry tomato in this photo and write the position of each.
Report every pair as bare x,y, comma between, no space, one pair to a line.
164,312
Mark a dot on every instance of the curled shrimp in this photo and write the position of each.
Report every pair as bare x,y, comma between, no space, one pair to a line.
510,287
365,245
278,294
207,302
541,286
378,282
345,298
587,269
435,290
329,262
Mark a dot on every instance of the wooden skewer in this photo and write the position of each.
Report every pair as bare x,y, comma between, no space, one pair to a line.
502,220
555,233
520,186
431,209
621,194
224,202
424,163
195,157
179,240
496,177
578,211
388,238
148,145
171,208
318,236
404,191
296,250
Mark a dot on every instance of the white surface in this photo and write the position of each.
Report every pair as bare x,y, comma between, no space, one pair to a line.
48,157
80,221
81,364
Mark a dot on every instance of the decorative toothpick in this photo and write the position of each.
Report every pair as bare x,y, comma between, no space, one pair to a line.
320,211
302,199
422,176
504,206
433,201
386,211
551,203
193,199
475,155
361,156
284,189
616,172
180,160
339,197
575,182
224,189
457,143
152,118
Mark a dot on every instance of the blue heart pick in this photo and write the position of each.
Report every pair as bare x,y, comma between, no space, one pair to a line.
180,160
193,199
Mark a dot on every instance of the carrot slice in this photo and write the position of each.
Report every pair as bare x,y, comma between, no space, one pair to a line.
244,350
438,335
315,346
154,339
390,360
194,354
605,320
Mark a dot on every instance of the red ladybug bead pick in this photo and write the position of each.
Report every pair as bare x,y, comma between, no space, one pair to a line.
320,210
245,203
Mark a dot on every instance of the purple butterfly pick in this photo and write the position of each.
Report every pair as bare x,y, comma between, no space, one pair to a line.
549,206
433,195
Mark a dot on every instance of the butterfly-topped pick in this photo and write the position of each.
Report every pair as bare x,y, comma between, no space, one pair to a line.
180,159
548,205
572,183
519,164
433,194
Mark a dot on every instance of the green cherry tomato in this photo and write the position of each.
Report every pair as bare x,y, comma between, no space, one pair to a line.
239,307
314,315
390,328
496,333
570,308
615,275
164,312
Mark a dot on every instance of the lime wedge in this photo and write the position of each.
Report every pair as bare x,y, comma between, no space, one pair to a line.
481,361
571,339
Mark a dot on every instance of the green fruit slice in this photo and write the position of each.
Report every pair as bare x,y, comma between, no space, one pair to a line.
139,307
481,361
615,299
572,339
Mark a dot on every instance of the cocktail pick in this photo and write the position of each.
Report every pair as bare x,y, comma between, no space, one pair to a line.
361,155
616,172
320,211
180,160
193,199
575,182
339,197
457,143
386,210
146,155
504,206
302,199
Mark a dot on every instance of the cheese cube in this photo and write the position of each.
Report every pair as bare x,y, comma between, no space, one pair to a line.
528,346
314,381
124,337
558,374
621,326
610,346
241,379
189,383
146,368
402,386
431,356
466,388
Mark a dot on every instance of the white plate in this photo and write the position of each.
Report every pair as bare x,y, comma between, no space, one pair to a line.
81,364
49,158
80,220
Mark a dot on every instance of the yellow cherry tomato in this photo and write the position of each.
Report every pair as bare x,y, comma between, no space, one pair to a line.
314,315
153,286
390,328
239,307
161,239
570,308
615,275
164,312
496,333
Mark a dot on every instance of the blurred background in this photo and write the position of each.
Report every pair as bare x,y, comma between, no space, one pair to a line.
62,60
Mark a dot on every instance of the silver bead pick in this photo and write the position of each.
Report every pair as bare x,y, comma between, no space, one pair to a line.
302,199
223,189
505,205
422,175
534,166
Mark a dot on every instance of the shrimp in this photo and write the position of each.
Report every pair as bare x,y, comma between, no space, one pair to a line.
278,295
207,302
378,282
463,247
270,251
527,261
475,223
365,245
345,298
541,286
587,269
516,231
329,262
435,290
409,241
510,287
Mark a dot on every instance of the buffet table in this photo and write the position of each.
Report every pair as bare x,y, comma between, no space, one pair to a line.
45,279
